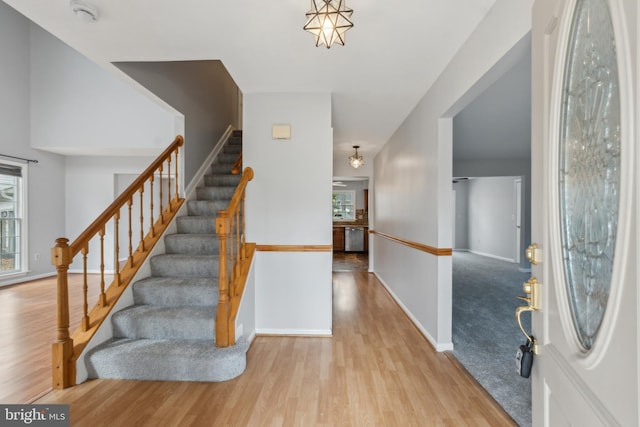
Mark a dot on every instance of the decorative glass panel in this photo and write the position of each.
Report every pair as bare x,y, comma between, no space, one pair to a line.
589,177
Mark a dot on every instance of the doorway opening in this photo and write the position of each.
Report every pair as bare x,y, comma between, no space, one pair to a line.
491,227
350,211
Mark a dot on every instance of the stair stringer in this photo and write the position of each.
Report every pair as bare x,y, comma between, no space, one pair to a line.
105,331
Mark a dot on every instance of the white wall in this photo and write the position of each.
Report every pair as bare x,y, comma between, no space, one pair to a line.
90,187
491,217
289,203
201,90
79,108
46,178
413,174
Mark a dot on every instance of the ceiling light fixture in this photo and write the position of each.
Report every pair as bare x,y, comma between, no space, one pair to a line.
84,11
356,161
328,22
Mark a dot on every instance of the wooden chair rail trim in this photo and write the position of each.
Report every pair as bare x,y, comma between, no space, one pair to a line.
415,245
114,207
294,248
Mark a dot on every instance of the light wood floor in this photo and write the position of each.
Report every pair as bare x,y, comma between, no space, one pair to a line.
376,370
27,330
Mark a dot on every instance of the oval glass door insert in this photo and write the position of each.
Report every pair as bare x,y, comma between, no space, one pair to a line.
589,169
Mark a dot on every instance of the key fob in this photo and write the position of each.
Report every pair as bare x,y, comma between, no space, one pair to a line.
524,358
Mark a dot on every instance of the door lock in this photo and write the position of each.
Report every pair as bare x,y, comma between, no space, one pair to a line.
532,253
532,289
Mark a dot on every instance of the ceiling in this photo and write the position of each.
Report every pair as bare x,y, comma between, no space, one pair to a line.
393,54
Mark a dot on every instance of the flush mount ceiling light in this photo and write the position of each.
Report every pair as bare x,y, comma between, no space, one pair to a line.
84,11
356,161
328,22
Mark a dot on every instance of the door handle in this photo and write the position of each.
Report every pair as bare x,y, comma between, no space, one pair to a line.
532,289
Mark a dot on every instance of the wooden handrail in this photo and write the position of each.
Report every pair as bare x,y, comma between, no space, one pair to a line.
235,256
68,347
237,166
125,196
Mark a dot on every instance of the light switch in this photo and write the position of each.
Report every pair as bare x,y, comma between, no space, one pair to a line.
281,131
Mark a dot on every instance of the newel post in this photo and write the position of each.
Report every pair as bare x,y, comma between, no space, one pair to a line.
62,350
224,306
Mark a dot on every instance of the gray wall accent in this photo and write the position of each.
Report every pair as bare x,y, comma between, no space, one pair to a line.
46,191
491,217
461,213
201,90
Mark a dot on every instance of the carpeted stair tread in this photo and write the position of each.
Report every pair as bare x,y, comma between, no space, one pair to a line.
178,265
196,224
206,207
215,193
167,360
165,323
222,179
176,291
169,333
192,244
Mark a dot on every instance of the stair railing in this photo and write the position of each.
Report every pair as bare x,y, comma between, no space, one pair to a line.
237,166
67,348
235,257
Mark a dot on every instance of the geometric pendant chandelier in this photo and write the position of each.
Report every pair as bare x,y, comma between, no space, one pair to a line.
328,22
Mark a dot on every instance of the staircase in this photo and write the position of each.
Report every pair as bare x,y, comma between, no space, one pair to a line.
168,334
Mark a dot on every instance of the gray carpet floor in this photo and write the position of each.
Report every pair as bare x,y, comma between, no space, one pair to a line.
485,334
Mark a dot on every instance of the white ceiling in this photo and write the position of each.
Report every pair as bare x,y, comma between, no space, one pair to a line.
393,54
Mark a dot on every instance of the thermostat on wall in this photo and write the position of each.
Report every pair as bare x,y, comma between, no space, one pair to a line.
281,131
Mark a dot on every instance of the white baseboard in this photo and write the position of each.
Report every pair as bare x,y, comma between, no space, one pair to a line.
24,278
444,346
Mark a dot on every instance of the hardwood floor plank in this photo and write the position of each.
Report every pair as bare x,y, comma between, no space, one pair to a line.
376,370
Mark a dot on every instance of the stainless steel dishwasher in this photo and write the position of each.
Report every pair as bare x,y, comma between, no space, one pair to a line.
354,239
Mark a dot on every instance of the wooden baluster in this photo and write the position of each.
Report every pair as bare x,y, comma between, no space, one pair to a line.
243,250
85,289
169,183
151,231
103,296
130,204
177,194
142,248
237,260
116,248
224,306
62,349
160,195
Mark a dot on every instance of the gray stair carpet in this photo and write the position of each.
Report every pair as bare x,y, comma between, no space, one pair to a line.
168,334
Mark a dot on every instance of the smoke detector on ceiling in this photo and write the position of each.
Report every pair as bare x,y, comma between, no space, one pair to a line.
84,11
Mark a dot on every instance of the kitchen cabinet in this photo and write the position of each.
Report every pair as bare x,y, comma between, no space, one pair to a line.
338,239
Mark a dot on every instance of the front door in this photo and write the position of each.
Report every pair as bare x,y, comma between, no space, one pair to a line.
584,198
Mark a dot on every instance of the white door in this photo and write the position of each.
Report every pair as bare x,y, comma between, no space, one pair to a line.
518,185
584,193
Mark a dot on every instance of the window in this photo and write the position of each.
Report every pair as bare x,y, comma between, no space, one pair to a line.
12,257
344,205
